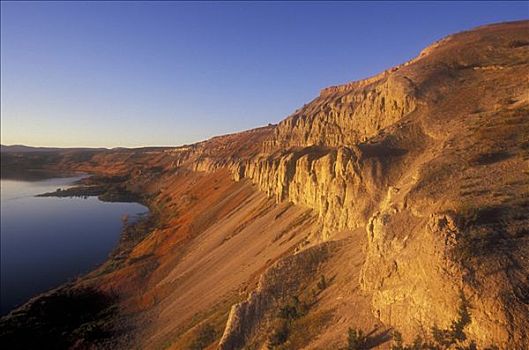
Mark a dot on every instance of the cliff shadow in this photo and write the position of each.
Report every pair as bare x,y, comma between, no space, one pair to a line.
377,337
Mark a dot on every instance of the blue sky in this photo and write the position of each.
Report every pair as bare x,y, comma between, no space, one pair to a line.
169,73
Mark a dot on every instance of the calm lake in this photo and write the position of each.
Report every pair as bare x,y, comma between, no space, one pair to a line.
45,241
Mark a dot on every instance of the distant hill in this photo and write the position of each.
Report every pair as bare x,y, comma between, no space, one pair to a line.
26,149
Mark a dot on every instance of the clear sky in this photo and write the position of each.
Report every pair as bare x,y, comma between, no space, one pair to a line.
168,73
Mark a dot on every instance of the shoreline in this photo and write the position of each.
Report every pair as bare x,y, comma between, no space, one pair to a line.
99,318
110,189
105,188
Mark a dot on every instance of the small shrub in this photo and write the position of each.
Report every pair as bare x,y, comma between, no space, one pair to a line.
322,283
293,309
279,335
288,312
205,336
518,43
356,339
418,344
456,332
444,338
397,341
458,327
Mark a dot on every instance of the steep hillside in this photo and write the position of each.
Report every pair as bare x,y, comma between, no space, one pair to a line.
431,158
385,204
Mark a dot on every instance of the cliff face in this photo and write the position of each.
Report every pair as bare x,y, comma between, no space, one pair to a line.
420,174
348,114
431,158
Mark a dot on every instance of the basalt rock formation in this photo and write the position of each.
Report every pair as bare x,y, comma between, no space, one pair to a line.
381,204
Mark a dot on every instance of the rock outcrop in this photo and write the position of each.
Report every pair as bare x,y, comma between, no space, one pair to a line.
289,276
392,153
349,114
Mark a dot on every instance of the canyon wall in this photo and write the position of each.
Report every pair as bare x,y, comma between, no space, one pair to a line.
393,154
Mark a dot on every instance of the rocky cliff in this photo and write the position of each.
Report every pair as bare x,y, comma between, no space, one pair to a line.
420,175
431,158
